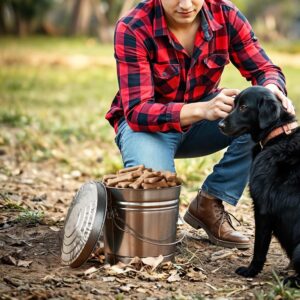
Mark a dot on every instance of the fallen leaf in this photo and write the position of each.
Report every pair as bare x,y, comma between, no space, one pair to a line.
24,263
167,265
48,278
136,262
99,250
109,279
195,276
125,288
152,276
54,228
3,177
141,290
16,172
119,268
122,281
76,174
174,276
153,262
90,271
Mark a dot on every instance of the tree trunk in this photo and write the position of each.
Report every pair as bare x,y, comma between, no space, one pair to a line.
2,22
23,27
81,16
105,34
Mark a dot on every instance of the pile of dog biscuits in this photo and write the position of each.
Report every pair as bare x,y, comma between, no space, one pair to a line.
139,177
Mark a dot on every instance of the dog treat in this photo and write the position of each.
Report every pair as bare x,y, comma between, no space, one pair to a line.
109,176
124,184
155,185
138,182
141,167
169,175
139,177
137,173
128,176
154,174
125,177
178,180
153,179
171,183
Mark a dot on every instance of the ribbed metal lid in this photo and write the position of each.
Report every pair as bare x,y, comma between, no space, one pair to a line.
84,223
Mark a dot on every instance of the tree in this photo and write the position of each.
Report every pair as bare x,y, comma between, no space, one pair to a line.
23,14
80,17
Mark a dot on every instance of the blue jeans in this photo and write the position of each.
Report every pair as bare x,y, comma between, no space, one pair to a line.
158,150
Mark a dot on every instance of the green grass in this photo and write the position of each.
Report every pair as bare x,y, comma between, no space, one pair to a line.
30,217
54,111
287,46
55,45
278,291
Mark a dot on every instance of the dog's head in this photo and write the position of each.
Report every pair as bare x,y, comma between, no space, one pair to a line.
255,109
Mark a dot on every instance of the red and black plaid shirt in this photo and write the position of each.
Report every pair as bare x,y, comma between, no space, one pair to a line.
157,76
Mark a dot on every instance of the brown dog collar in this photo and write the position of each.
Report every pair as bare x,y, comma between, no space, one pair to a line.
287,129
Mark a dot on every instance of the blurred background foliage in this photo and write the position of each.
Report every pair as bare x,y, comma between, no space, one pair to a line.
272,19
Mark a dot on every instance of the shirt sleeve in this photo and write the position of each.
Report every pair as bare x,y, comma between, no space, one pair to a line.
248,56
136,87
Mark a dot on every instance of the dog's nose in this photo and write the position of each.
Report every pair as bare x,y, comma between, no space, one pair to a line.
222,124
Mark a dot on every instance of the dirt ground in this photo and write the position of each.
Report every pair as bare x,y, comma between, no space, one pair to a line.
30,265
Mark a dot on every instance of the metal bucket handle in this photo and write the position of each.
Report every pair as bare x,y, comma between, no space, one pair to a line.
138,236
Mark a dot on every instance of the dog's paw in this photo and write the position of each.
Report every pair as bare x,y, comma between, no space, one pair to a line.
292,281
246,271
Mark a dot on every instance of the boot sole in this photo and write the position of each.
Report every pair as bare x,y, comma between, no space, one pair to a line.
195,223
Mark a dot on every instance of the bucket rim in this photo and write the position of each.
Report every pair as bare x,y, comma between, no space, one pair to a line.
161,189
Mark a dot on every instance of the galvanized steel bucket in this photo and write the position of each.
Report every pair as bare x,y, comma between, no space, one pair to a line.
141,223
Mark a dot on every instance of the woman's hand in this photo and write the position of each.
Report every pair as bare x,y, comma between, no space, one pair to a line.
286,102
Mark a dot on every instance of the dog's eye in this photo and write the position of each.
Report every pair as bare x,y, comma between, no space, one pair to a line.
243,107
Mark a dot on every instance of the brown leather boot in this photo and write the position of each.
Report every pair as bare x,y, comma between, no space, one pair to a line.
209,213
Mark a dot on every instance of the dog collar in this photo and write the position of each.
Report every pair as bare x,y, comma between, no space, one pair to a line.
287,129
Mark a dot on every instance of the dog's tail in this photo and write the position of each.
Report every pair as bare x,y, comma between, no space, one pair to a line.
296,259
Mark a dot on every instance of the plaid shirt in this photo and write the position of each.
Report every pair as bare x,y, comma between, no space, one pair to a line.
157,76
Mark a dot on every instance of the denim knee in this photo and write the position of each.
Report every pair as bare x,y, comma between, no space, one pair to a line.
154,150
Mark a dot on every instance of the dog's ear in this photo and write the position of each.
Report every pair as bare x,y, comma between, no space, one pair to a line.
268,111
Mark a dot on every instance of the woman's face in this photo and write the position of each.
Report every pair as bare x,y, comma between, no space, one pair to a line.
181,12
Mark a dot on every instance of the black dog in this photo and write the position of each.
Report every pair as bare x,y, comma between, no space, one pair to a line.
275,174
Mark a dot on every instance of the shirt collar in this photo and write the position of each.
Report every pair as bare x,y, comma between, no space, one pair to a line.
160,27
208,17
208,23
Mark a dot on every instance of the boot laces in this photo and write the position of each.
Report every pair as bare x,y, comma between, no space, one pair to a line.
225,216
